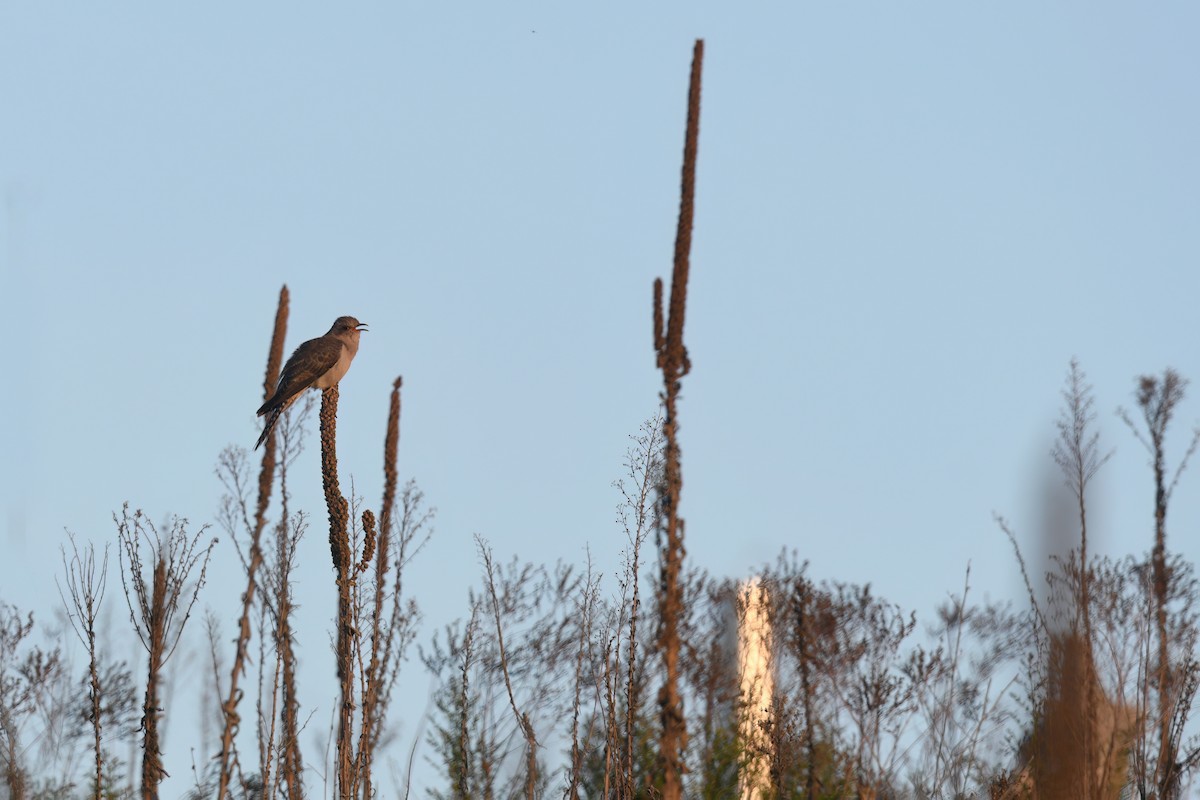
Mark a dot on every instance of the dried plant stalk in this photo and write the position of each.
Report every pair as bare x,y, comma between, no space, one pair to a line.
266,474
270,380
373,696
674,363
522,718
154,611
1158,399
86,589
291,764
339,546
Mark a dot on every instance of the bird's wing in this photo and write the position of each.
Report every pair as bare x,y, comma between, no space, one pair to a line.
310,361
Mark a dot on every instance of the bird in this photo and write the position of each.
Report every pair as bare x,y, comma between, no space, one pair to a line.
318,363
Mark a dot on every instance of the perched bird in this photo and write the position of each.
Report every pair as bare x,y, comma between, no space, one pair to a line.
318,363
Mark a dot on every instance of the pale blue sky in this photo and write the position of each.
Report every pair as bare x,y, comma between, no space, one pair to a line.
909,218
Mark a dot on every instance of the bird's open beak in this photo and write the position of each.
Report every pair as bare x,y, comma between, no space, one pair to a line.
362,326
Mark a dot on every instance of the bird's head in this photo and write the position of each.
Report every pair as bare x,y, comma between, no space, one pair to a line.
348,328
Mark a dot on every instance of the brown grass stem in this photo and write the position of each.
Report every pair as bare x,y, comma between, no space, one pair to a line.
339,546
374,697
86,587
523,723
266,474
674,363
159,611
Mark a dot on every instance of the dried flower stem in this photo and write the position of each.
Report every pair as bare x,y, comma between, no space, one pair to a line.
373,698
523,723
339,546
87,593
674,363
266,475
155,618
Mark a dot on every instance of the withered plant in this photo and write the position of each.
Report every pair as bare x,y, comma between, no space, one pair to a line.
367,670
85,587
344,569
586,679
277,705
614,755
381,605
279,709
120,713
27,673
968,708
1160,768
708,627
375,620
520,638
278,603
252,528
800,730
636,515
674,363
521,718
877,676
468,764
1111,674
1076,742
160,602
862,706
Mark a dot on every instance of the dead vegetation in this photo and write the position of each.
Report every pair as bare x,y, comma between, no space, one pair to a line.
555,682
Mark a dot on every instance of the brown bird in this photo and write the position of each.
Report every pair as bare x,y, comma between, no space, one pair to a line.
318,363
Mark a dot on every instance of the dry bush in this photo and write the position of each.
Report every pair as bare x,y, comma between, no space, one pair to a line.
1110,668
234,476
1159,763
85,586
520,638
160,602
27,676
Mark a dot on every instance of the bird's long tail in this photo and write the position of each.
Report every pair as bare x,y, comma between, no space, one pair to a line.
272,418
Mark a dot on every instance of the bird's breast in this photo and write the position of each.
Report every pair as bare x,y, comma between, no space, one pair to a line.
337,371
